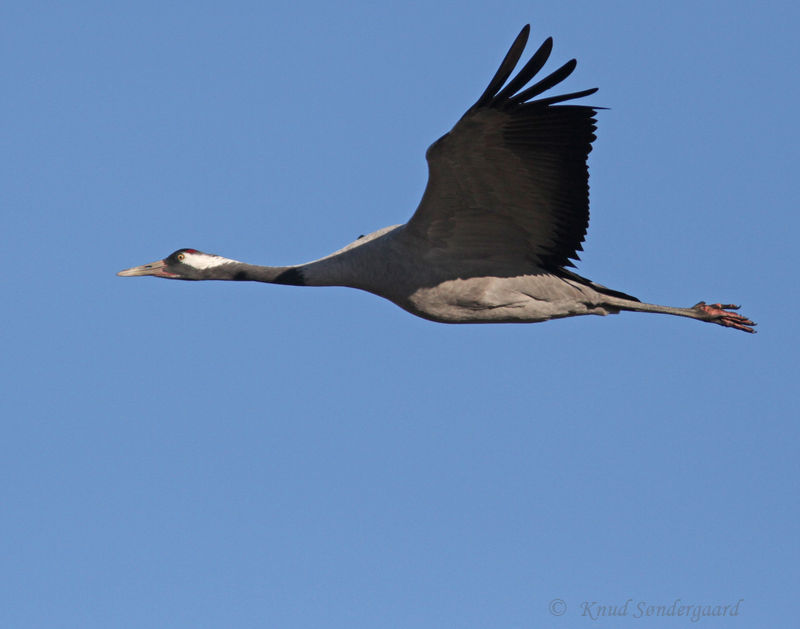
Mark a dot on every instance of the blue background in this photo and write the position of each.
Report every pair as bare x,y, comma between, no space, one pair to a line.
227,455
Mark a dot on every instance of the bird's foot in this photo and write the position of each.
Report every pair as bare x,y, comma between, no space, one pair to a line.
721,314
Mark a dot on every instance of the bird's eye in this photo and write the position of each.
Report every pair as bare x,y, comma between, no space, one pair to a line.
181,256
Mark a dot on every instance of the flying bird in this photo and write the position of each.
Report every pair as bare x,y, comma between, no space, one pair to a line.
504,213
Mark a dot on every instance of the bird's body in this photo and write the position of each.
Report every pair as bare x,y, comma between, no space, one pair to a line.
383,263
504,211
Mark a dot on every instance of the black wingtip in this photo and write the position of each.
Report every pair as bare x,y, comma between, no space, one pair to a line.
554,78
572,95
500,95
529,70
506,67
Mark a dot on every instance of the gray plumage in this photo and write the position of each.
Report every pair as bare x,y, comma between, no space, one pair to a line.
505,211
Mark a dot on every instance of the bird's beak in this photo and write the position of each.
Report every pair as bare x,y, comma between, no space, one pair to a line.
154,268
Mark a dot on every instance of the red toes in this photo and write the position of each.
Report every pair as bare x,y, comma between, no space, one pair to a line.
720,314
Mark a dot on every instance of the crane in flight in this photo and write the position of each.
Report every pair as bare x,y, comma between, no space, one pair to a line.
505,210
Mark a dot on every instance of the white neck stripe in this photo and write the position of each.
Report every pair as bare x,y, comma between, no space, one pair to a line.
203,260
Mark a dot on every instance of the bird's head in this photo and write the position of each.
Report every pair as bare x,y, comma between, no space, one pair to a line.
184,264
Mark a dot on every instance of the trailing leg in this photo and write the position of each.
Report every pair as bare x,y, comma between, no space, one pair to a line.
721,314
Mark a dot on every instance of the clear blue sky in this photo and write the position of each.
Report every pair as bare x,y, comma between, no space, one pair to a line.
196,455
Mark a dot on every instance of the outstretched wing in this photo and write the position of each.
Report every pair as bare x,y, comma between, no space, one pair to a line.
509,182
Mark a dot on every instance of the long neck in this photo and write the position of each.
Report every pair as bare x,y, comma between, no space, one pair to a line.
334,270
242,272
363,264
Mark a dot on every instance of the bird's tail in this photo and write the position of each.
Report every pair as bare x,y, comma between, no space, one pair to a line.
598,287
